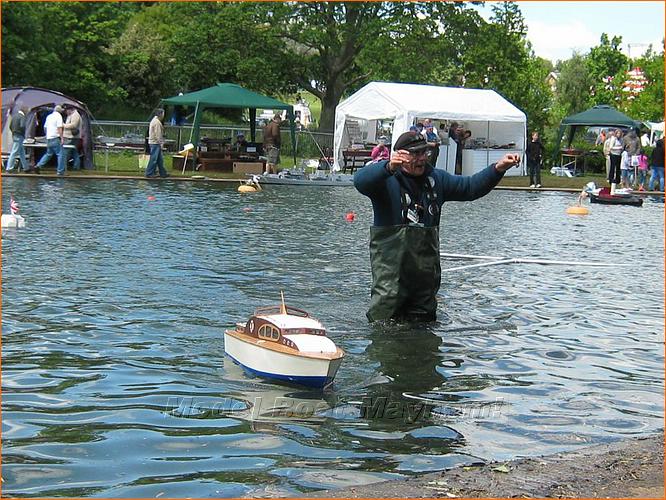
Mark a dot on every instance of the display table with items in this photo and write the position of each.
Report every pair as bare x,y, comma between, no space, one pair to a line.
569,159
355,158
35,150
218,155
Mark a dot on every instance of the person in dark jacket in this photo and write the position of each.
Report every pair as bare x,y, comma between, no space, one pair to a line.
657,165
534,153
17,127
407,194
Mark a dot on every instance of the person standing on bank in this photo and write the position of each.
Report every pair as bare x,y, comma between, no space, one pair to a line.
432,139
17,127
657,166
71,131
534,153
53,128
407,195
606,150
272,142
155,141
615,148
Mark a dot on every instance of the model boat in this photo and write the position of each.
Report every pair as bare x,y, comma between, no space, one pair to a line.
297,177
286,344
620,197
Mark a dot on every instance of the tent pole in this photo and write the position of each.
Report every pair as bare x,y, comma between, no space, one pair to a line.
292,126
253,124
194,133
487,139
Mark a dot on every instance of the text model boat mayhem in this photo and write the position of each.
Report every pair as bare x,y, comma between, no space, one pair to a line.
286,344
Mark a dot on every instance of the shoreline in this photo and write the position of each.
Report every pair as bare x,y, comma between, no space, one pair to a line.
239,181
631,468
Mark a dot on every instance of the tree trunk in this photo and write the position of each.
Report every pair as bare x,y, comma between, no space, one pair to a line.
331,99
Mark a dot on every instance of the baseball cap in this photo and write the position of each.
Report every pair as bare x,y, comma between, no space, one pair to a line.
411,143
240,134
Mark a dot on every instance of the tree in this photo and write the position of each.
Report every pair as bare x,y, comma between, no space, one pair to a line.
61,46
574,85
166,49
498,56
333,48
649,105
606,66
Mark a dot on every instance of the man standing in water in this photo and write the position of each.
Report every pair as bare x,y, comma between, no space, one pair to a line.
407,195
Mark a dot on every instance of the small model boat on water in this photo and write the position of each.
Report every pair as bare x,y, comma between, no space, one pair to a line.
604,197
298,177
287,344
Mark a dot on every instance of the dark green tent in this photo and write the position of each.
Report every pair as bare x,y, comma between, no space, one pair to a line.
229,95
598,116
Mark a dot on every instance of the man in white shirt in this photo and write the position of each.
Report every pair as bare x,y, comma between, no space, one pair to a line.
53,127
71,131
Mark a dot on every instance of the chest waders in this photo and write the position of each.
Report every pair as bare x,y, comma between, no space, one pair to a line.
405,261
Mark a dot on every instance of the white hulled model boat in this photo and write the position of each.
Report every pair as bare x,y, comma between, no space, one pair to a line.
13,219
286,344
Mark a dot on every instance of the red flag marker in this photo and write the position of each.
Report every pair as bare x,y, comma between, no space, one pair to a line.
13,206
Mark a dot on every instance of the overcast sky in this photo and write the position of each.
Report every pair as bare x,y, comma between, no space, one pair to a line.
557,29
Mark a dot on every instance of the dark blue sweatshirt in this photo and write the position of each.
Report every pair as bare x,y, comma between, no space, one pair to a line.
384,190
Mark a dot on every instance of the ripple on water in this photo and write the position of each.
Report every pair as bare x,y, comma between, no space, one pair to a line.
115,382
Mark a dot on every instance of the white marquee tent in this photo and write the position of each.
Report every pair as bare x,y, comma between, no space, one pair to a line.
656,131
484,112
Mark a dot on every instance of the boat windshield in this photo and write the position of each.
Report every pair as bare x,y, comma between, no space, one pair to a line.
308,331
264,311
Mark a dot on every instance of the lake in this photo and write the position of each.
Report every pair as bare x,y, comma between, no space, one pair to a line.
117,293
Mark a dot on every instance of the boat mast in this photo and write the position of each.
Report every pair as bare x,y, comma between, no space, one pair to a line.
283,306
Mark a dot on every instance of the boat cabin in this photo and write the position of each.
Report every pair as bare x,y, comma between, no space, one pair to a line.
288,326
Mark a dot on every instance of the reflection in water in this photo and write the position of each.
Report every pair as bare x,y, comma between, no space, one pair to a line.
114,306
408,356
270,404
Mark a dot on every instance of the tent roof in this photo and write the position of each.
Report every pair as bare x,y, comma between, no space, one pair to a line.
378,100
226,95
600,115
35,97
656,126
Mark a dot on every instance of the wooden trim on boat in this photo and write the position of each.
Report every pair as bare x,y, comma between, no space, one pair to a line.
274,346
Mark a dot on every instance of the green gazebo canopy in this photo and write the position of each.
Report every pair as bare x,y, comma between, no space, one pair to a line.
597,116
229,95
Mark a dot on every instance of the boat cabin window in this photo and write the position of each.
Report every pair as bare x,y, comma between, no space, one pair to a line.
268,332
310,331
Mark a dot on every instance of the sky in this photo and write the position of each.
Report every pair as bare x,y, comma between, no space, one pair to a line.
557,29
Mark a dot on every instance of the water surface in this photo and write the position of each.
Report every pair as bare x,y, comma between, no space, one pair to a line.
115,382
